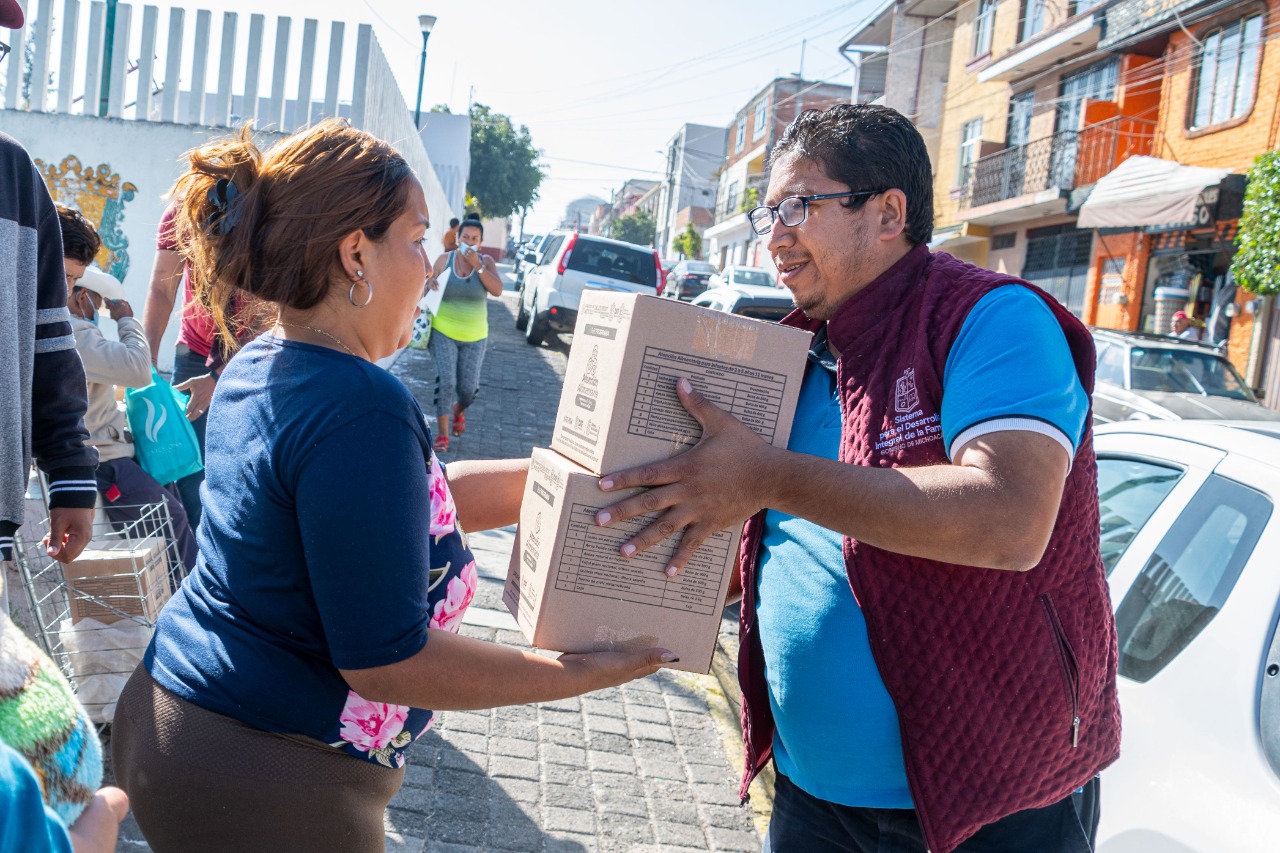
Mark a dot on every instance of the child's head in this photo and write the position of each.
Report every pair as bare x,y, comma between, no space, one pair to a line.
80,243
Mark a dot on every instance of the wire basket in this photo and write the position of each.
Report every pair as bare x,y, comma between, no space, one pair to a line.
95,616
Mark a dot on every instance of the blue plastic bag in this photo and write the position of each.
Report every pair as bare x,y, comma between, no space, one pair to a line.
163,439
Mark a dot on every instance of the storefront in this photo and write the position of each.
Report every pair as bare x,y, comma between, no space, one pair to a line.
1165,241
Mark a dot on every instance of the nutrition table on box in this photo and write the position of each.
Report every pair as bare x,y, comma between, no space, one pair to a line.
752,395
590,564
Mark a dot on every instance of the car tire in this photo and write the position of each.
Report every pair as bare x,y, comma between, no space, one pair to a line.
537,327
522,316
537,330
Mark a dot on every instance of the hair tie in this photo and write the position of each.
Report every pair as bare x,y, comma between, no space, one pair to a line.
223,197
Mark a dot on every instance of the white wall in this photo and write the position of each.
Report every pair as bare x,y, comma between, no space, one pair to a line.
448,141
145,154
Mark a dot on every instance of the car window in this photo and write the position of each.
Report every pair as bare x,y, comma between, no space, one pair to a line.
1129,490
613,261
755,277
772,313
553,249
1110,364
698,267
1186,372
1187,580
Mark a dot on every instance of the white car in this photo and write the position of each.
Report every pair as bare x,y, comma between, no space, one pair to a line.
571,263
760,303
735,276
1191,539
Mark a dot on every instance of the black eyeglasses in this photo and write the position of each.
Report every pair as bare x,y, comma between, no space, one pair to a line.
793,210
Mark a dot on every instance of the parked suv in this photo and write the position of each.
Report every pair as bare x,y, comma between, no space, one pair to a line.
571,263
1154,376
688,279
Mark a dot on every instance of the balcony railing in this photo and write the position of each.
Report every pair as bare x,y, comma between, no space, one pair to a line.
1107,144
1013,172
1065,160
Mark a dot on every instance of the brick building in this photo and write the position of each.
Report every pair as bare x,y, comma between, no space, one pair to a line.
1048,104
744,175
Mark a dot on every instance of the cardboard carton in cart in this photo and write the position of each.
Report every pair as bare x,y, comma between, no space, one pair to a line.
119,576
571,591
619,408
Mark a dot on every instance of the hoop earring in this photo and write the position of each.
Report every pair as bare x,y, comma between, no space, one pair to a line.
351,294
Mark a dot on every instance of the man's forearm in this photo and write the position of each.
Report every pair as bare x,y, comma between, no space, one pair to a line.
991,514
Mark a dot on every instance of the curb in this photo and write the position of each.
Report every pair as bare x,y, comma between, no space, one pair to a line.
725,702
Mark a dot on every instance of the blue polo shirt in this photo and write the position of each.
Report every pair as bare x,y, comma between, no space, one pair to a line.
837,729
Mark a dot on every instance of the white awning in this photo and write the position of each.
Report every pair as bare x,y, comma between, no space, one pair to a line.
1147,191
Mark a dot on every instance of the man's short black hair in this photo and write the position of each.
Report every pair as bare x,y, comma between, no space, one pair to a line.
453,223
866,146
80,240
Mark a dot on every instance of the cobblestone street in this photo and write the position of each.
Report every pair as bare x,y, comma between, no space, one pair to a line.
643,768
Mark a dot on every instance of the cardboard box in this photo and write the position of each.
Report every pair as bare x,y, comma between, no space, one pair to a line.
570,590
126,575
619,407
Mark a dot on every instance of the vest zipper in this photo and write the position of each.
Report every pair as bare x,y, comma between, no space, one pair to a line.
1067,661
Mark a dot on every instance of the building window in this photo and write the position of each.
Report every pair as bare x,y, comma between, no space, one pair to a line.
970,143
1004,241
1228,69
1096,82
983,26
1018,132
762,115
1035,14
740,136
731,199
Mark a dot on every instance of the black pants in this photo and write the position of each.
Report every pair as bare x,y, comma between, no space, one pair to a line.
802,823
124,486
187,364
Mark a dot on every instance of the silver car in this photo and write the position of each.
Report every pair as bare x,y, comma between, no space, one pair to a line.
1154,377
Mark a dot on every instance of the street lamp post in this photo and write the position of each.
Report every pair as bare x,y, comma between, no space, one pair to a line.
426,22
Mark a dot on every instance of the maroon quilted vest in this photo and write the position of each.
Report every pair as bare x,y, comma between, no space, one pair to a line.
1004,681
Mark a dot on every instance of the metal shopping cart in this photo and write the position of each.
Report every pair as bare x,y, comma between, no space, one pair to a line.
95,616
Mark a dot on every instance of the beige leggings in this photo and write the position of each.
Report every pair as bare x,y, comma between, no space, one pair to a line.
198,781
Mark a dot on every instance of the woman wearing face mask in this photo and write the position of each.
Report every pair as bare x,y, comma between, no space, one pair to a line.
460,329
295,665
124,486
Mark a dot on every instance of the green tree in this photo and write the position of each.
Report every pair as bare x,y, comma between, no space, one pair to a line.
505,174
1257,262
638,228
689,243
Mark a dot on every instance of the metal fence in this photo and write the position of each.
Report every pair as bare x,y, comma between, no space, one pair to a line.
1024,169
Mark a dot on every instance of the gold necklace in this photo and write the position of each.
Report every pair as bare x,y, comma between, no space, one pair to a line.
318,332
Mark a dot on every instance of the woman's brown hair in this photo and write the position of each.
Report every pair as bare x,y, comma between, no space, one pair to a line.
269,223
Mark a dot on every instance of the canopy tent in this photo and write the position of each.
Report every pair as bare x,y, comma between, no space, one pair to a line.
1148,191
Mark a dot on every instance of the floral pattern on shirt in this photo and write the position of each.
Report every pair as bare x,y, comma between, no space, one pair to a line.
379,731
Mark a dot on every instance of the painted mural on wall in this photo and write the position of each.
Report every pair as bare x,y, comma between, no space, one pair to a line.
100,195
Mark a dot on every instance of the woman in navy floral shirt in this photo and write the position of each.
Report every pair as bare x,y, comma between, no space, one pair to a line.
297,662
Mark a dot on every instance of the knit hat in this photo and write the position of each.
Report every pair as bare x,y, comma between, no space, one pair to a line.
42,719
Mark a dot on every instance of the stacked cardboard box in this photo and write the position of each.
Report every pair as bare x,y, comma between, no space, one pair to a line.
119,576
568,586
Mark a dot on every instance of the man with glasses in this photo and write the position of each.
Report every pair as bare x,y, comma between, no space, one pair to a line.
927,648
41,381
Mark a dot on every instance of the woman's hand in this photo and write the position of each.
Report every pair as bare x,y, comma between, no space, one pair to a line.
201,390
598,670
98,826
